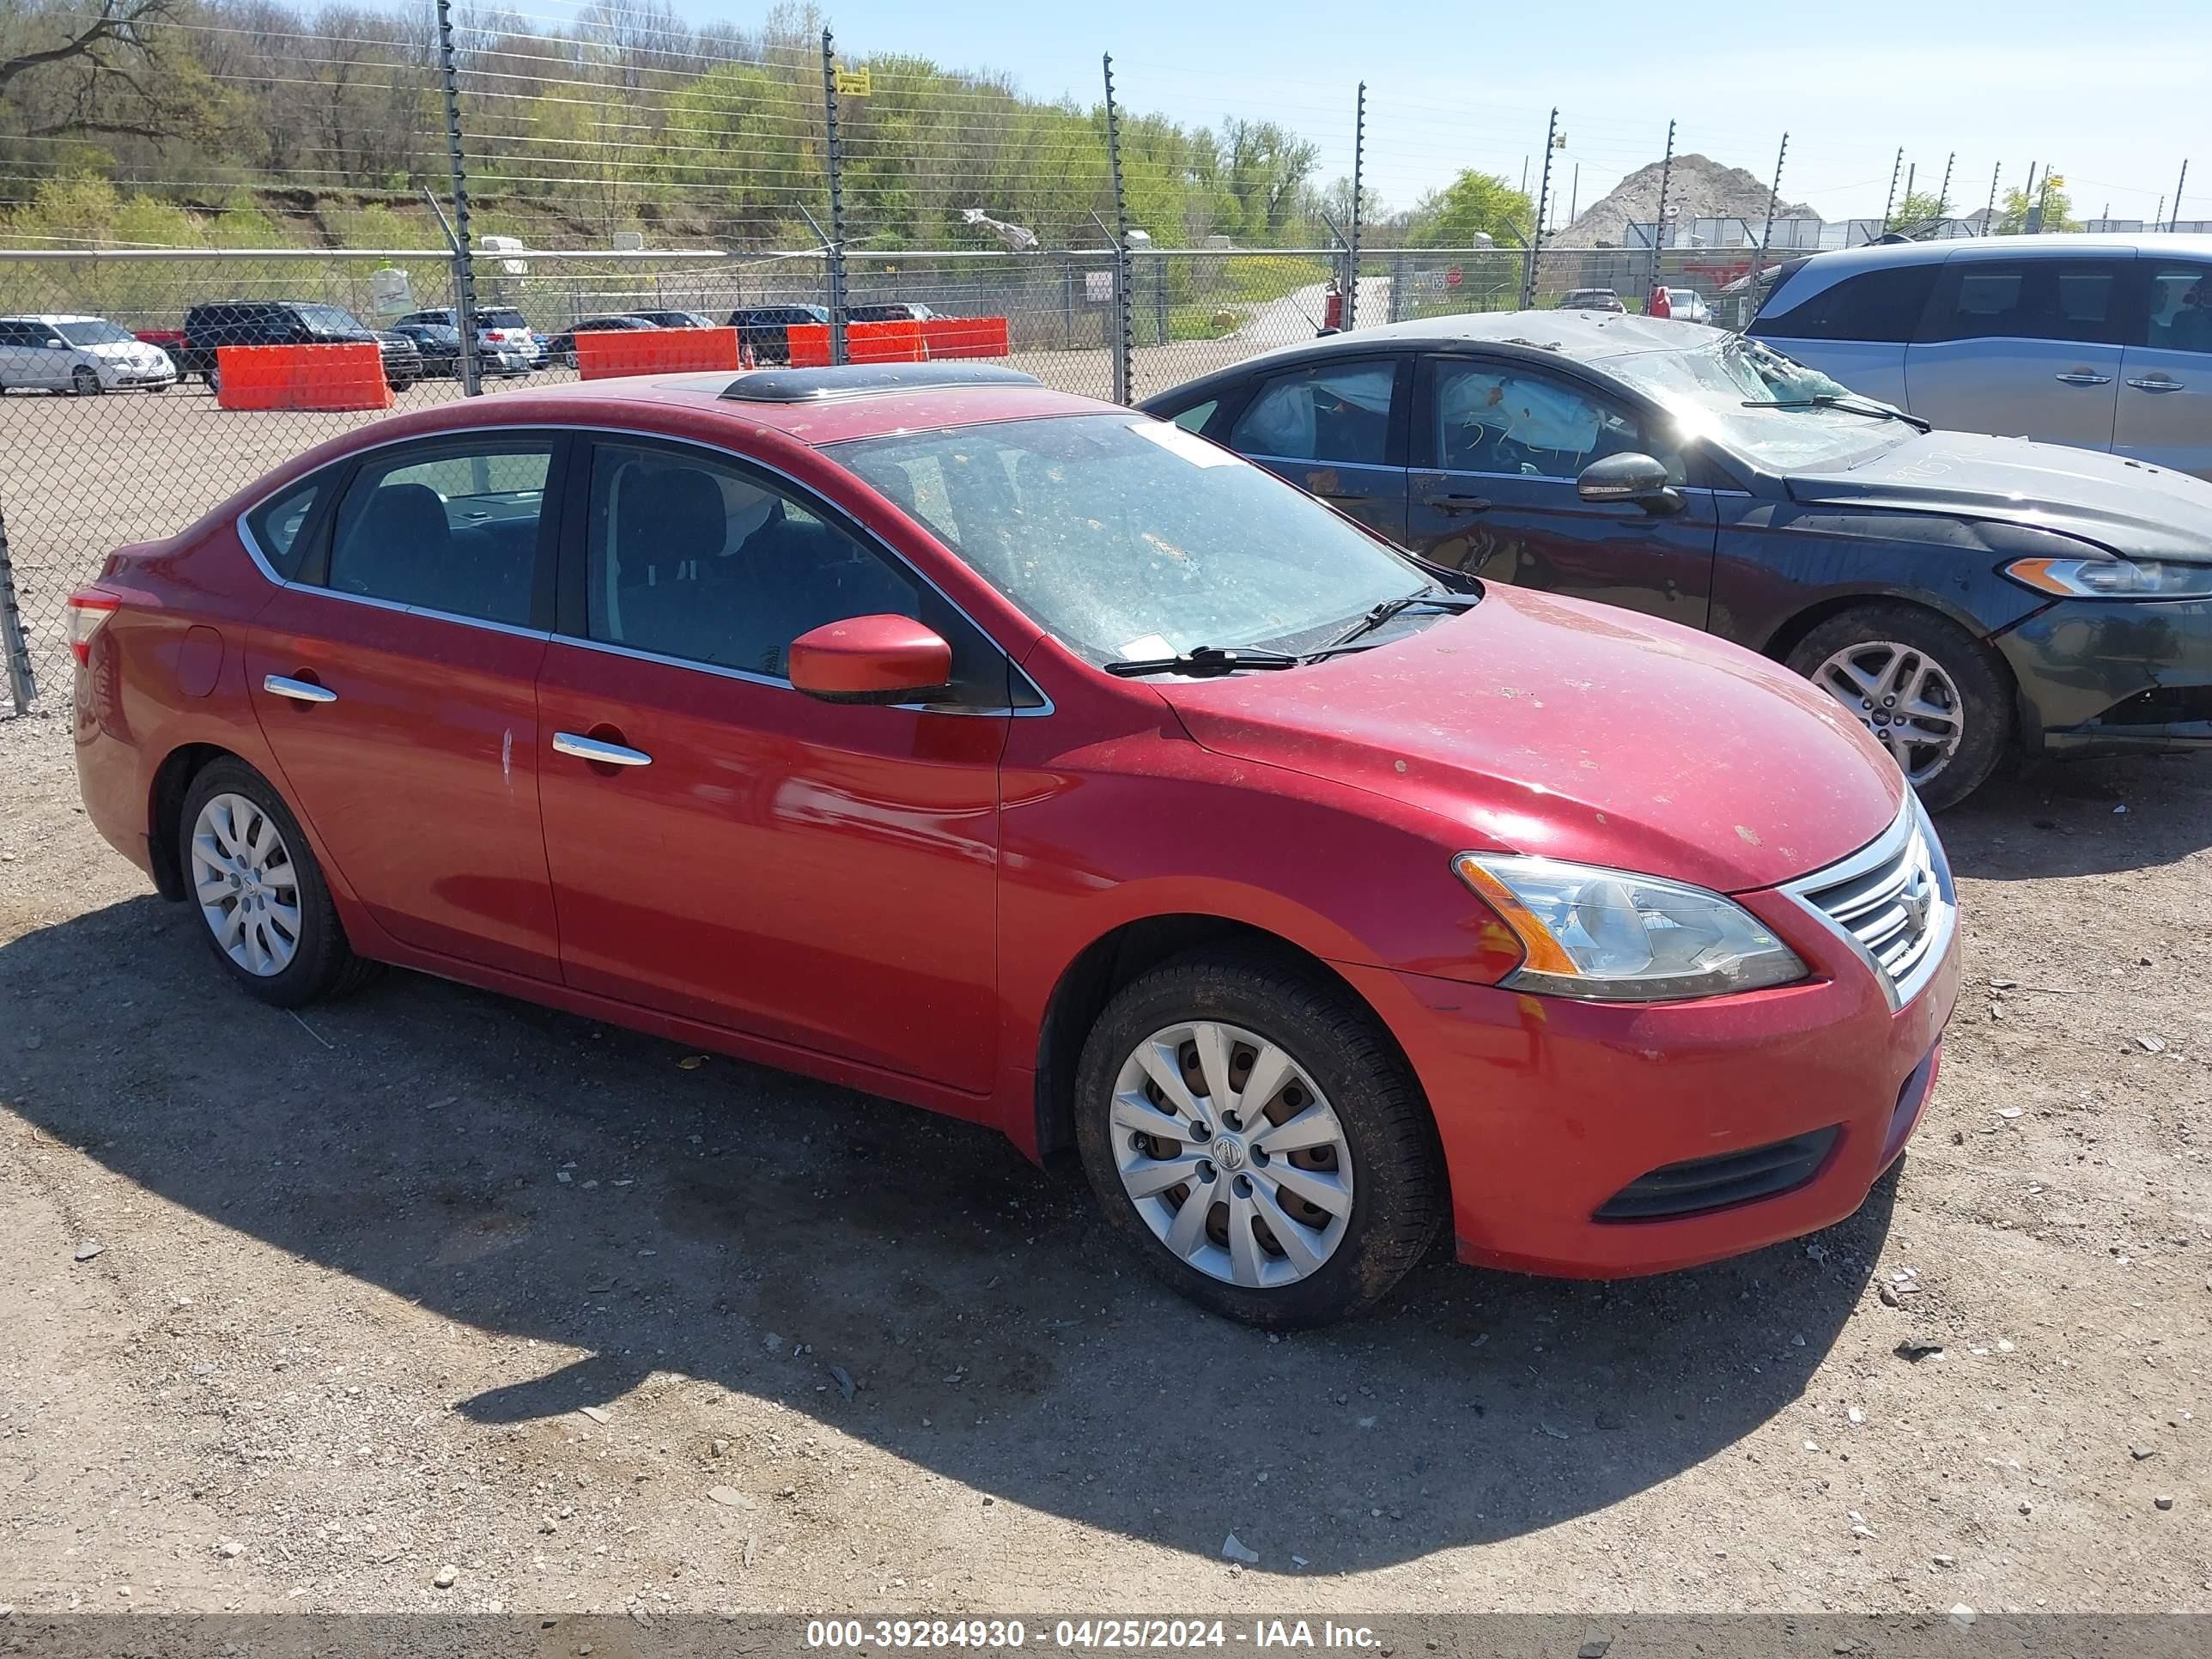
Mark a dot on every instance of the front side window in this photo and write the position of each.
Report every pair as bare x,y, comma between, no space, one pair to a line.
1126,537
1338,413
1500,418
1194,418
1882,306
2180,313
456,531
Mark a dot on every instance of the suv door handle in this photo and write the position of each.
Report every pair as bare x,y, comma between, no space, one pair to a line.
298,690
2084,377
1458,503
2162,383
592,749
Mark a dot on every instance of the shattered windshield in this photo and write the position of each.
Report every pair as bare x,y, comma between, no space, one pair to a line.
1707,390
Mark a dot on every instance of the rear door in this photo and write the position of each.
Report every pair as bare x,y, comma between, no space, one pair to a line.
1498,445
23,360
2165,412
394,678
2024,347
1336,430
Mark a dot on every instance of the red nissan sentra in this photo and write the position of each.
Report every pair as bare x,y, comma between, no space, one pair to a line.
1028,759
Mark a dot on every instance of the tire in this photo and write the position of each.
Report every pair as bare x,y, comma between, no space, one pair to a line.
1382,1163
1845,656
321,962
213,380
85,382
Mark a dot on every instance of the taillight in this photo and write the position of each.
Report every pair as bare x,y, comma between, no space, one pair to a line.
89,612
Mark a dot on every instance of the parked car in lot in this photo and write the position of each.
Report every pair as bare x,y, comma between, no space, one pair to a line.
1020,756
82,354
210,326
766,330
505,343
2101,342
890,312
1684,305
439,345
673,318
562,348
1591,299
1967,598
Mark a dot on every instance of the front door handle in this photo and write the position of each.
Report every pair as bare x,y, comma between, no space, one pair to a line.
592,749
297,690
1458,503
2084,377
2160,383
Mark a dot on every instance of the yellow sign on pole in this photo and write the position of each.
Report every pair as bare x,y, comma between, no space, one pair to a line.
853,82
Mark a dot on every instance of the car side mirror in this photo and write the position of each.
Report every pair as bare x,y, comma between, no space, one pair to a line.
880,659
55,342
1631,477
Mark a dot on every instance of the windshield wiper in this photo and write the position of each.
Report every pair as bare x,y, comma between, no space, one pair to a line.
1849,403
1379,614
1204,659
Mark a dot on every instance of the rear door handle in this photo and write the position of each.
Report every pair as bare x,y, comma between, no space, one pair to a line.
2084,377
1458,503
297,690
2163,383
592,749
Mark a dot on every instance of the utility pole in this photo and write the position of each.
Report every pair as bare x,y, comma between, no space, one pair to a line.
1543,203
465,268
1943,195
1575,193
1911,174
1659,225
1889,202
834,154
2180,184
1359,161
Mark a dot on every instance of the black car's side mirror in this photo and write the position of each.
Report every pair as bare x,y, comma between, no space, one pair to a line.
1636,478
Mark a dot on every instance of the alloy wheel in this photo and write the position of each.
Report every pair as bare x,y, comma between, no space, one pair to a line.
84,382
246,884
1905,697
1231,1154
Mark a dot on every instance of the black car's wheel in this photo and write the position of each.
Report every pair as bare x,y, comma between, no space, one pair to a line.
213,378
251,876
1257,1140
1931,694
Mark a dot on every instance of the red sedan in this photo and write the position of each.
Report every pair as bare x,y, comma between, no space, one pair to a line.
1028,759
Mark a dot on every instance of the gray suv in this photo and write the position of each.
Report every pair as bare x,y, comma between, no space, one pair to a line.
2101,342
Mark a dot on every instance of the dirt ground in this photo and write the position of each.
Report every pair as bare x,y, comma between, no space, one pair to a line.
430,1279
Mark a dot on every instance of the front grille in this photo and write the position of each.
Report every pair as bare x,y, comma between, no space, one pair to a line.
1704,1184
1893,900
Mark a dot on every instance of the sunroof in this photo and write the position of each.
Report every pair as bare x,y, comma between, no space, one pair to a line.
809,385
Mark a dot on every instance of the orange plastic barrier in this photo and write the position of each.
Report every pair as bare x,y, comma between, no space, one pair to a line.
965,337
604,354
807,345
865,342
329,377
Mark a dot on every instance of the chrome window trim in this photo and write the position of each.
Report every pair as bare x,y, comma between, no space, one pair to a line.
1887,847
1045,706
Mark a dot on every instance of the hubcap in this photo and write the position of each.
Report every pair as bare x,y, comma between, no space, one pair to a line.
1903,696
244,882
1231,1155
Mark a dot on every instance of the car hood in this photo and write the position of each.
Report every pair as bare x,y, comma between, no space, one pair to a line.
125,351
2128,508
1548,725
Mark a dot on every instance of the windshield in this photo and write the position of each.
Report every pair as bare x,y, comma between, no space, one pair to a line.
94,333
1707,389
1128,537
328,319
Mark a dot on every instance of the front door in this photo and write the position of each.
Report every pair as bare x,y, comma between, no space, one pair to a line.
1336,430
394,679
1497,447
2024,348
728,849
2164,413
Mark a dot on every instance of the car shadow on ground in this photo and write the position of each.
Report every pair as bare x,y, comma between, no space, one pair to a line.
781,1238
2082,817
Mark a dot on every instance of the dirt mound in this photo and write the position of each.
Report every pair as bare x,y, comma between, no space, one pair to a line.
1701,188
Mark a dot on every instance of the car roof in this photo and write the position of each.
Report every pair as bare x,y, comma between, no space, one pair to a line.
52,317
2044,245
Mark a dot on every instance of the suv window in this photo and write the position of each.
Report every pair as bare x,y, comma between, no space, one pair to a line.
2071,300
1502,418
2179,318
1883,305
1336,412
456,529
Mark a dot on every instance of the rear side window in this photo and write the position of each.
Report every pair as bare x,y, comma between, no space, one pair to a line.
2077,300
1340,413
456,531
1882,306
2179,318
276,525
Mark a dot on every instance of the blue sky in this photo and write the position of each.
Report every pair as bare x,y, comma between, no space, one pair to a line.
2114,93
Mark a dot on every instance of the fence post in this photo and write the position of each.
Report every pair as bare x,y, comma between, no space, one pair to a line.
1659,221
1543,205
1124,343
1889,202
834,159
464,270
1398,287
2180,184
22,684
1359,162
1160,299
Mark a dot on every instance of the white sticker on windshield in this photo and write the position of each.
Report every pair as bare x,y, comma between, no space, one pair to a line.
1177,441
1146,646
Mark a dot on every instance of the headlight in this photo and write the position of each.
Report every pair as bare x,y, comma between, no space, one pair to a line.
1613,936
2114,579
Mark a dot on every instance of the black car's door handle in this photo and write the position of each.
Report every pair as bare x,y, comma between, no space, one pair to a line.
1458,503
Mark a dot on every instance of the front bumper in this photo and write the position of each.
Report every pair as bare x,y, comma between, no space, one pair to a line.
2110,677
1550,1109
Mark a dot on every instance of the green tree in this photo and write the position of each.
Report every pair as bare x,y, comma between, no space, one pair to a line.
2057,210
1919,207
1473,204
